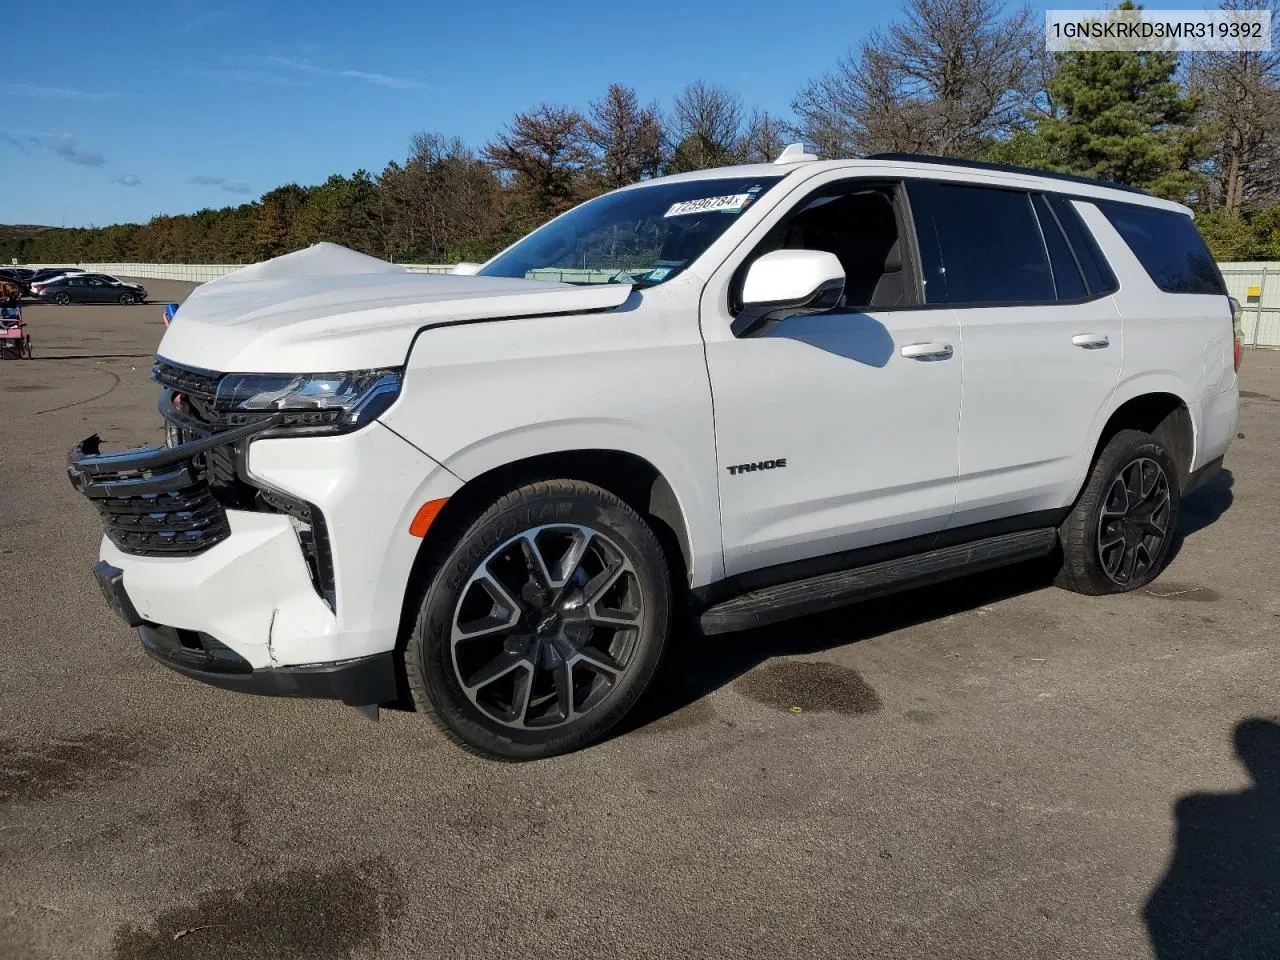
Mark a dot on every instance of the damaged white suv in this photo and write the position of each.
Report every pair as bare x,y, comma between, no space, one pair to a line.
746,393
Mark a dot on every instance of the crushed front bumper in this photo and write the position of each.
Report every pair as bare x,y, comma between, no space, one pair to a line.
363,681
225,591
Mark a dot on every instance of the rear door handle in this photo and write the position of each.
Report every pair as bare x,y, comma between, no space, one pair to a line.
1091,341
927,351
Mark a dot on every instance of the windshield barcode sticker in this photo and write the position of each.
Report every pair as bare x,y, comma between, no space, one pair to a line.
729,204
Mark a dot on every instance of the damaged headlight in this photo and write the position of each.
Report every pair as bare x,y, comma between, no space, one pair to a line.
323,402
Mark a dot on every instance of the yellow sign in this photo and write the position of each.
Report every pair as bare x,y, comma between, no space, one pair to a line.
1253,292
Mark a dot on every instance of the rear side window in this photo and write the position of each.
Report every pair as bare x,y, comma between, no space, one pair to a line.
1097,272
1168,246
979,245
1067,279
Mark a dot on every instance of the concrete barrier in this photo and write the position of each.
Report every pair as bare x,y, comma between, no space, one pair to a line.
192,272
1256,285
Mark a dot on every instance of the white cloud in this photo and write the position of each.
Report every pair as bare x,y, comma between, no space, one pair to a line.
222,183
378,79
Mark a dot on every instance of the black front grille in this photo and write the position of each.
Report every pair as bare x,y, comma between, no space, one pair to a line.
200,384
179,522
155,511
173,501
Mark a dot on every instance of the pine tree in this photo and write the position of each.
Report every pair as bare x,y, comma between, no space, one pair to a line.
1123,116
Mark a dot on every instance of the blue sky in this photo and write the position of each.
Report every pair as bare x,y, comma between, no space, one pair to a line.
167,107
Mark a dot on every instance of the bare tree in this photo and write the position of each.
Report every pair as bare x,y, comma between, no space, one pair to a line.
947,78
705,128
1239,98
442,203
765,137
544,155
627,136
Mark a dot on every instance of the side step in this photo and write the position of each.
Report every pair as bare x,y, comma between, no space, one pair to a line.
759,608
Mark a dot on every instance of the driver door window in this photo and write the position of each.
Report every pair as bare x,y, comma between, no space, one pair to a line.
862,225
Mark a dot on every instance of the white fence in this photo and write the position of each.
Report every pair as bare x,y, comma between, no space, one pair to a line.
1255,285
192,272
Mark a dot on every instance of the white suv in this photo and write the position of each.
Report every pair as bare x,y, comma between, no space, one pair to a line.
749,393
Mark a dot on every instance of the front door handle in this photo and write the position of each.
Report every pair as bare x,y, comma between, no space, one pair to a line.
927,351
1091,341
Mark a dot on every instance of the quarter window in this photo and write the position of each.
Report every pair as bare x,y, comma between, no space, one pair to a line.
979,245
1168,246
1097,272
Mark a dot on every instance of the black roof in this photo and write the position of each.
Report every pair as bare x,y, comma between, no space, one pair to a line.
1005,168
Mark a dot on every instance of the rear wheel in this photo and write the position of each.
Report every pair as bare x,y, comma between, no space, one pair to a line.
1118,536
62,299
542,623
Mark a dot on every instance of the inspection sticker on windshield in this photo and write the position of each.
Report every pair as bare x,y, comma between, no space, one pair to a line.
730,204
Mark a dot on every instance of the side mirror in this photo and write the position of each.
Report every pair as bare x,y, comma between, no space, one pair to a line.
466,269
786,282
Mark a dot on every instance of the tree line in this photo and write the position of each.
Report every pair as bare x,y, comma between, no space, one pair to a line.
961,78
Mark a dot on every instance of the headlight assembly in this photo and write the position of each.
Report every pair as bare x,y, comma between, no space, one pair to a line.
310,402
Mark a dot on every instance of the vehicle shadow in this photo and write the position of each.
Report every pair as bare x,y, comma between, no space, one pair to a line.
698,665
1220,896
1202,507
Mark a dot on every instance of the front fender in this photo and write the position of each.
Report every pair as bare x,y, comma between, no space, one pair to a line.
478,397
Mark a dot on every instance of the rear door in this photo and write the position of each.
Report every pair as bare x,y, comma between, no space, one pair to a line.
1042,348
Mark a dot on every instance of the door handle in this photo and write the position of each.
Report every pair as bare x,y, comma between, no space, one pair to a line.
927,351
1091,341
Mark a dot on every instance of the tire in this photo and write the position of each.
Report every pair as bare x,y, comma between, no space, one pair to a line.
1119,534
62,299
128,299
509,655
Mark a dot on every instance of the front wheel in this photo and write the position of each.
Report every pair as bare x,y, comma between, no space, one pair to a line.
542,623
128,299
1119,534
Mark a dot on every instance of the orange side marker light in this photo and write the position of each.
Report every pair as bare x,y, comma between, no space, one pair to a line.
426,514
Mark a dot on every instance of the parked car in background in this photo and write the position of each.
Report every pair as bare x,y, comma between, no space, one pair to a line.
90,288
45,274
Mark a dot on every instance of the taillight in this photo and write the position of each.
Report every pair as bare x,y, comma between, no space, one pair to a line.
1237,331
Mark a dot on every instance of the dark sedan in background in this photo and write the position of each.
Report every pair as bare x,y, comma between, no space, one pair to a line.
90,288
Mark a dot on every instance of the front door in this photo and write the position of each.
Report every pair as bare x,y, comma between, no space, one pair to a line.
838,430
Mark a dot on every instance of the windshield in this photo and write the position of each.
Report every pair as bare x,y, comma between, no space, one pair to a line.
642,236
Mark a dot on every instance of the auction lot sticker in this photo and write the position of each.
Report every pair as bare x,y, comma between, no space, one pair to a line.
730,204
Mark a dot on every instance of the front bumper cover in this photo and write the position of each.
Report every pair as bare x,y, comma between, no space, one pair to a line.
363,681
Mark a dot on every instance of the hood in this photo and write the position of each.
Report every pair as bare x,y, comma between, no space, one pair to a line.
328,309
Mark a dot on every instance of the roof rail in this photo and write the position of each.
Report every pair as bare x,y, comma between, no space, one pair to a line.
1004,168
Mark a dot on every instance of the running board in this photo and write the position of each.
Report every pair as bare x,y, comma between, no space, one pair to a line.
759,608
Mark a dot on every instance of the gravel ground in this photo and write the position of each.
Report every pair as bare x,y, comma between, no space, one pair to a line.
992,769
